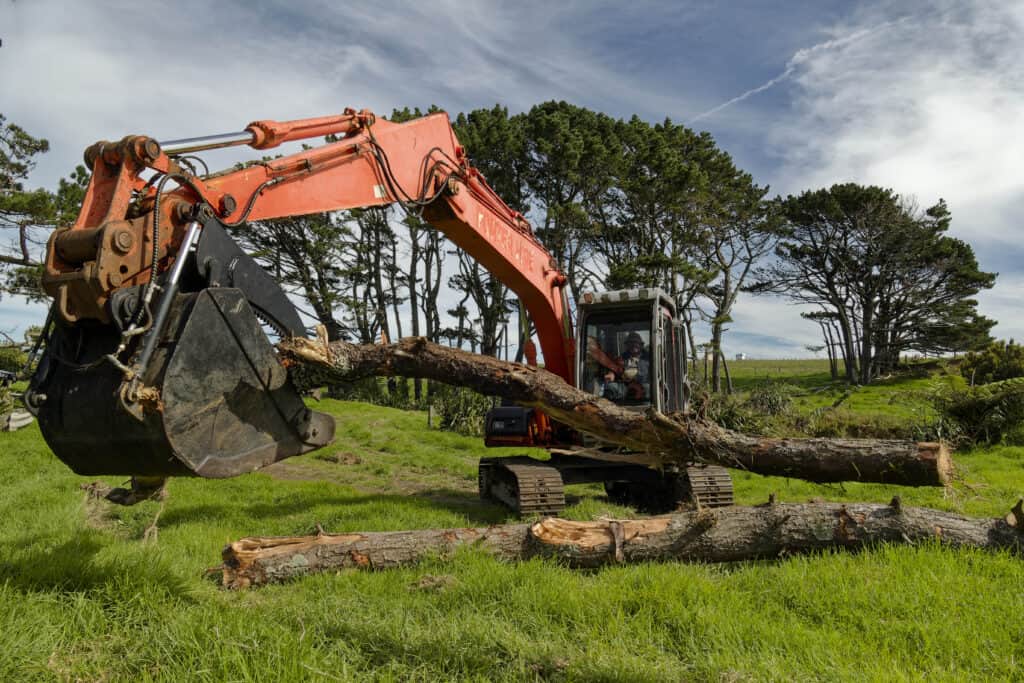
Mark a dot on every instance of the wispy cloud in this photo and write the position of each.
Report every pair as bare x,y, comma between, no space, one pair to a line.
933,108
925,97
800,57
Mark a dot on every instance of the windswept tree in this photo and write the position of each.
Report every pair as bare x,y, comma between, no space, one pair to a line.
28,216
571,154
886,274
305,255
496,145
738,228
682,217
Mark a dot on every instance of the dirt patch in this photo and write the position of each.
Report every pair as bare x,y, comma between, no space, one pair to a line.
434,584
96,510
340,458
297,470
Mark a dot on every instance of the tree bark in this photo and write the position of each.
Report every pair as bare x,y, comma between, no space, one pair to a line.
667,438
708,535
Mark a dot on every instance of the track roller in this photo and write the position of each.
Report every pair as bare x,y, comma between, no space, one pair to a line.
710,486
707,486
526,486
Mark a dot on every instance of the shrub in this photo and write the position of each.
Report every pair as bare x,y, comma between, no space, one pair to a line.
459,409
1000,360
12,358
729,411
989,413
772,398
393,392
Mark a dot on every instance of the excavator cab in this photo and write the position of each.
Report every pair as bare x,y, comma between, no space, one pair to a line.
631,350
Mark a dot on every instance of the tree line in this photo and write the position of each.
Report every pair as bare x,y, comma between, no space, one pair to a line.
620,203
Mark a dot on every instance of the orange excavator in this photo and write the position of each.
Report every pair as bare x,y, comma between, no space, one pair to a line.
157,363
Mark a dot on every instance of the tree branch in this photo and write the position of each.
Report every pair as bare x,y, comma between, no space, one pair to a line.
672,438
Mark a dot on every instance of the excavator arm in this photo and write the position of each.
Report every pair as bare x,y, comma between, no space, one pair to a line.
155,361
375,162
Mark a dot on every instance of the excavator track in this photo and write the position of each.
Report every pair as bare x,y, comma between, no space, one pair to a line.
527,486
710,486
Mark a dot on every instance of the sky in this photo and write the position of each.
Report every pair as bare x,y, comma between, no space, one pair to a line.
925,98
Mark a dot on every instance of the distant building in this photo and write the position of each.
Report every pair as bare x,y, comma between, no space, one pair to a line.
741,356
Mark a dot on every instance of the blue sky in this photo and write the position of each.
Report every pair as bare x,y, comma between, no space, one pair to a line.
924,97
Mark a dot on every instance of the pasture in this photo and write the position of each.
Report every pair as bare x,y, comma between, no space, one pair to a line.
84,595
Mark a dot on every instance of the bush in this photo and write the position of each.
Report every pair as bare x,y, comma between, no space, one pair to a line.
729,411
396,392
12,358
772,398
1000,360
990,413
459,409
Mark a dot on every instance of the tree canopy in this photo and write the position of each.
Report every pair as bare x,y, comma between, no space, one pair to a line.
28,216
620,203
884,273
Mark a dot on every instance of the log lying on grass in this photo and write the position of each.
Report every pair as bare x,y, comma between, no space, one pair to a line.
707,535
678,438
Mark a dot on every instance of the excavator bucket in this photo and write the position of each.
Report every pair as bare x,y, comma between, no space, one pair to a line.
223,405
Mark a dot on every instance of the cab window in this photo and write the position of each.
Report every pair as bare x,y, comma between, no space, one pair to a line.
617,358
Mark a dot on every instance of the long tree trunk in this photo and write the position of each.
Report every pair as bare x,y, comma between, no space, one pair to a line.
412,278
675,438
849,355
867,336
716,353
833,365
707,535
725,369
375,222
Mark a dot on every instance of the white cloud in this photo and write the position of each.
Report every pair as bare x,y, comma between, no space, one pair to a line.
78,72
928,101
932,107
767,327
800,57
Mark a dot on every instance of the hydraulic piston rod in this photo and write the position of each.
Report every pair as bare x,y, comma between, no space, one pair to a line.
205,142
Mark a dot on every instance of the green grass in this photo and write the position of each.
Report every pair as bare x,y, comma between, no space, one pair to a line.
808,373
891,407
84,597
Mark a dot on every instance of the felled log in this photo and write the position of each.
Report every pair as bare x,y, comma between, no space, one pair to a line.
680,438
707,535
15,420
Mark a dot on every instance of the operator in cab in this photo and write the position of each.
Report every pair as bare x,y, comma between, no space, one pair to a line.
623,377
636,367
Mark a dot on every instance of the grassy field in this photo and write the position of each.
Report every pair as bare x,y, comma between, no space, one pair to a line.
84,597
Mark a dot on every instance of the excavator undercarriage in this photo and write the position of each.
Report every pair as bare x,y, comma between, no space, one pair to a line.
536,487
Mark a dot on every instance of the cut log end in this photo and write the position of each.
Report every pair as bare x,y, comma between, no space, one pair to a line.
939,453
